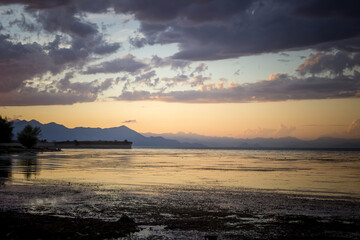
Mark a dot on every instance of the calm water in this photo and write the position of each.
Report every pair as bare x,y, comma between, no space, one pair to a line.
164,188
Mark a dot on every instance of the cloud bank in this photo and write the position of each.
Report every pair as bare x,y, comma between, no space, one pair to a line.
217,29
201,29
279,87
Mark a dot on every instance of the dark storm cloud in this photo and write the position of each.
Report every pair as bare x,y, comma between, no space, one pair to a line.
163,11
329,8
216,29
137,42
38,4
67,92
127,63
347,45
107,48
252,28
203,30
90,88
63,19
334,63
32,96
20,62
80,50
281,87
82,87
85,39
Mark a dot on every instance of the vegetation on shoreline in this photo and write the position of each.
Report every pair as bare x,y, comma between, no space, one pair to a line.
28,138
6,129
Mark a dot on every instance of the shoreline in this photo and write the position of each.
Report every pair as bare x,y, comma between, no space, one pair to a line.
11,150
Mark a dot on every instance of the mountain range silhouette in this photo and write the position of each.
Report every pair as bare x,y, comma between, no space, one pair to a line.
57,132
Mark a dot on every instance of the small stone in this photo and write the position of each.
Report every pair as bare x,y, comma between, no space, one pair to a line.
126,220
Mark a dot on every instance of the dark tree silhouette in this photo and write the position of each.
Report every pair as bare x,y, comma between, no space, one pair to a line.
28,137
6,129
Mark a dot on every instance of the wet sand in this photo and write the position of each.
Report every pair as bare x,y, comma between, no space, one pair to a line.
91,211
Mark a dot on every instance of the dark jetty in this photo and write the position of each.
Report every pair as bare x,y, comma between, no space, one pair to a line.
30,226
20,149
92,144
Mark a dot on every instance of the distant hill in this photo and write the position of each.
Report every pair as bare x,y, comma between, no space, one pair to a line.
261,143
56,132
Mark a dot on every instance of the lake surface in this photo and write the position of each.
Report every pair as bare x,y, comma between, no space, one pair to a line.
180,193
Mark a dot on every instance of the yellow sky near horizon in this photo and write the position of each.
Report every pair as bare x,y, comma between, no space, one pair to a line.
305,119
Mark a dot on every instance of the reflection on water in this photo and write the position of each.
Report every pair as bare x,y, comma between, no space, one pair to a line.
13,165
233,194
29,166
310,172
5,169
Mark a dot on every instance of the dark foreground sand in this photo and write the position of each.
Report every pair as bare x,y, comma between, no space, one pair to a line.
78,212
29,226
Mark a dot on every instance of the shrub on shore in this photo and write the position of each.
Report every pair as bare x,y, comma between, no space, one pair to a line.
6,129
28,137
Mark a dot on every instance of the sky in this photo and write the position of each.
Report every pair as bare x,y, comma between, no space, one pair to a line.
244,69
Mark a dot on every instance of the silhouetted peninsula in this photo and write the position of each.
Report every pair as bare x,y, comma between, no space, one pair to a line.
94,144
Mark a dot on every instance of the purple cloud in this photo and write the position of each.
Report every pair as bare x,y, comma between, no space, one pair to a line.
20,62
202,30
334,63
148,78
173,63
280,87
32,96
252,27
127,63
215,29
